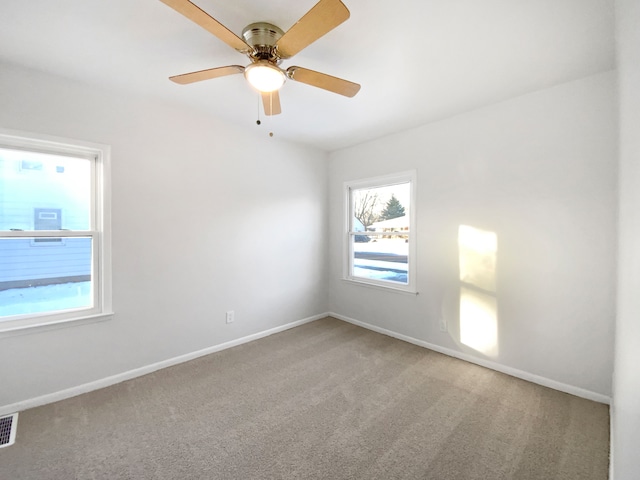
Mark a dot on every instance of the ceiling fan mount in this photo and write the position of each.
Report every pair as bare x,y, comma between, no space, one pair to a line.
262,37
267,46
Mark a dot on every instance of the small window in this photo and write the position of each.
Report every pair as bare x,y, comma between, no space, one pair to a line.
53,195
380,242
30,166
47,219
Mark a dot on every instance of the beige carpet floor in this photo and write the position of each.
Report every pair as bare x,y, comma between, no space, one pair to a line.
327,400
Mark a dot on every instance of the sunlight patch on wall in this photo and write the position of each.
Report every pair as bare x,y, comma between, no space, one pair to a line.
477,252
478,321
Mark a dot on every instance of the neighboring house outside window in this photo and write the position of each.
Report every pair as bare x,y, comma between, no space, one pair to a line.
54,231
380,231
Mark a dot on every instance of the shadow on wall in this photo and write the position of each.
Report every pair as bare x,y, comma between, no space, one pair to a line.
477,253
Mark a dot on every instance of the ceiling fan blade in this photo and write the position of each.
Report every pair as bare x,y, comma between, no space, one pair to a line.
271,103
206,21
186,78
324,81
321,19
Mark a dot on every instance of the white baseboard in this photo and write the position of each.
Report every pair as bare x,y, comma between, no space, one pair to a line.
514,372
138,372
612,443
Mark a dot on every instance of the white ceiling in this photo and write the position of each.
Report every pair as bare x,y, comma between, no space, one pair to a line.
417,60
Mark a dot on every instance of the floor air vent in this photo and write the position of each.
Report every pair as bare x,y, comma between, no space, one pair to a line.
8,427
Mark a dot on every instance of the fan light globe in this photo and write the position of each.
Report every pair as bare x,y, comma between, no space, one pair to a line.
264,77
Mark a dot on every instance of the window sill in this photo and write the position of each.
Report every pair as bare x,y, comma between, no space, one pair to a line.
376,286
10,331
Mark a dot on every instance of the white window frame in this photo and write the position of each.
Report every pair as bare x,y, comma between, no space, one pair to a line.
349,231
100,230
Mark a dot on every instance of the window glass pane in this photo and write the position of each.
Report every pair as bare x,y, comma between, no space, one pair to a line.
381,208
381,257
43,191
45,277
381,251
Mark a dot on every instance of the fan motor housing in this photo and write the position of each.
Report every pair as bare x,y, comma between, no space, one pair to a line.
262,36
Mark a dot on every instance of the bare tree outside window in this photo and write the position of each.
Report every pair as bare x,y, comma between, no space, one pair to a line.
365,204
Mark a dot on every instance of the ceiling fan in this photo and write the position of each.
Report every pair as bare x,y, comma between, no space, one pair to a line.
266,46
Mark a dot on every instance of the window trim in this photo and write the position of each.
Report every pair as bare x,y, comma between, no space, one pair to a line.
347,268
100,157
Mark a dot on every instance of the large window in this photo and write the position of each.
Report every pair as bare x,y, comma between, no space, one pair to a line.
380,229
54,235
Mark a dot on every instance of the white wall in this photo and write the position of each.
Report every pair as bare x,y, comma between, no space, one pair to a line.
206,218
540,171
626,399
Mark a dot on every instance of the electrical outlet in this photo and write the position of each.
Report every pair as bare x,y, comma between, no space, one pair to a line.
443,324
231,316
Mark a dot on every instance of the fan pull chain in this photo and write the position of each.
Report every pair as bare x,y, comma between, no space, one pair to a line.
258,122
271,109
